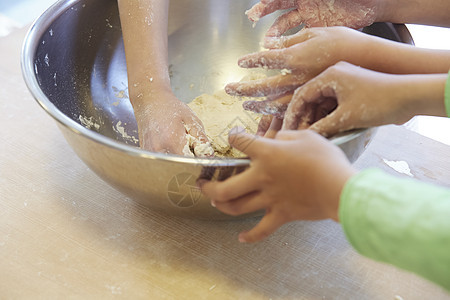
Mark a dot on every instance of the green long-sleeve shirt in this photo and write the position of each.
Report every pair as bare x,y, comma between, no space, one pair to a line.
399,221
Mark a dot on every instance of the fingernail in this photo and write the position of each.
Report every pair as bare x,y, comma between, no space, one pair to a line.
213,203
236,130
241,238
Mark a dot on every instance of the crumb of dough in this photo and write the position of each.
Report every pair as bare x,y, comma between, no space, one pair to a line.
220,113
203,150
187,150
200,149
89,123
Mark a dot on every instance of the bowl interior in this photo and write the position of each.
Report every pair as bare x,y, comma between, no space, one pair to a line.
79,60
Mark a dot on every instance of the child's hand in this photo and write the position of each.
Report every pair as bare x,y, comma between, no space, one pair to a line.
297,176
305,55
300,57
352,97
272,111
316,13
164,123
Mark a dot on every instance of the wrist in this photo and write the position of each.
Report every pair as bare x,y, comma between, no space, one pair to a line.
149,87
363,45
362,51
425,94
383,10
344,177
157,95
390,10
417,12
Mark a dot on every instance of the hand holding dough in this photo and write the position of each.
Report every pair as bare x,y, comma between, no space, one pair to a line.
220,113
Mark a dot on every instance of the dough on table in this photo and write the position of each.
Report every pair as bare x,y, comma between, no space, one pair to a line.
220,113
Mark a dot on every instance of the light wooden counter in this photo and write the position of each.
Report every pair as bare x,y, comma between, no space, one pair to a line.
64,233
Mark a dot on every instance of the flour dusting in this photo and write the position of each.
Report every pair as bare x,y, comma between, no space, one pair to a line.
118,128
88,122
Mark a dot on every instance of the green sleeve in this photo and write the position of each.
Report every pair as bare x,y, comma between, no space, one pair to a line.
402,222
447,95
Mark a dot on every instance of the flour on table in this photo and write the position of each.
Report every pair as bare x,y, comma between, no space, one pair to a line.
220,113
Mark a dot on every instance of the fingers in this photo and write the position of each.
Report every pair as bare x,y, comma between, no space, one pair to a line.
273,59
268,225
264,125
290,135
250,202
306,99
269,126
324,108
266,7
285,22
247,143
247,204
334,123
278,84
311,112
274,105
271,42
197,138
234,187
327,126
295,111
267,107
275,127
256,12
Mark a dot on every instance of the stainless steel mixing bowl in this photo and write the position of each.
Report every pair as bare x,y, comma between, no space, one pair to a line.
74,65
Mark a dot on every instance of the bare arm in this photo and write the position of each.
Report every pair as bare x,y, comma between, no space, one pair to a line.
144,26
350,13
391,57
163,121
363,98
426,12
311,51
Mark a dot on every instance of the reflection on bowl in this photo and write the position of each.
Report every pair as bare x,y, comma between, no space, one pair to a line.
74,65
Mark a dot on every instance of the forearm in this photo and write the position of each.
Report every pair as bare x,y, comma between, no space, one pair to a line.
399,221
418,95
426,12
392,57
144,27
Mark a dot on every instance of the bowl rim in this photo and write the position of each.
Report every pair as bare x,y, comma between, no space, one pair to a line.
31,41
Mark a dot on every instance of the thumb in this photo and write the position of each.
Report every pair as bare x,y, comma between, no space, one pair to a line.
330,125
285,22
243,141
